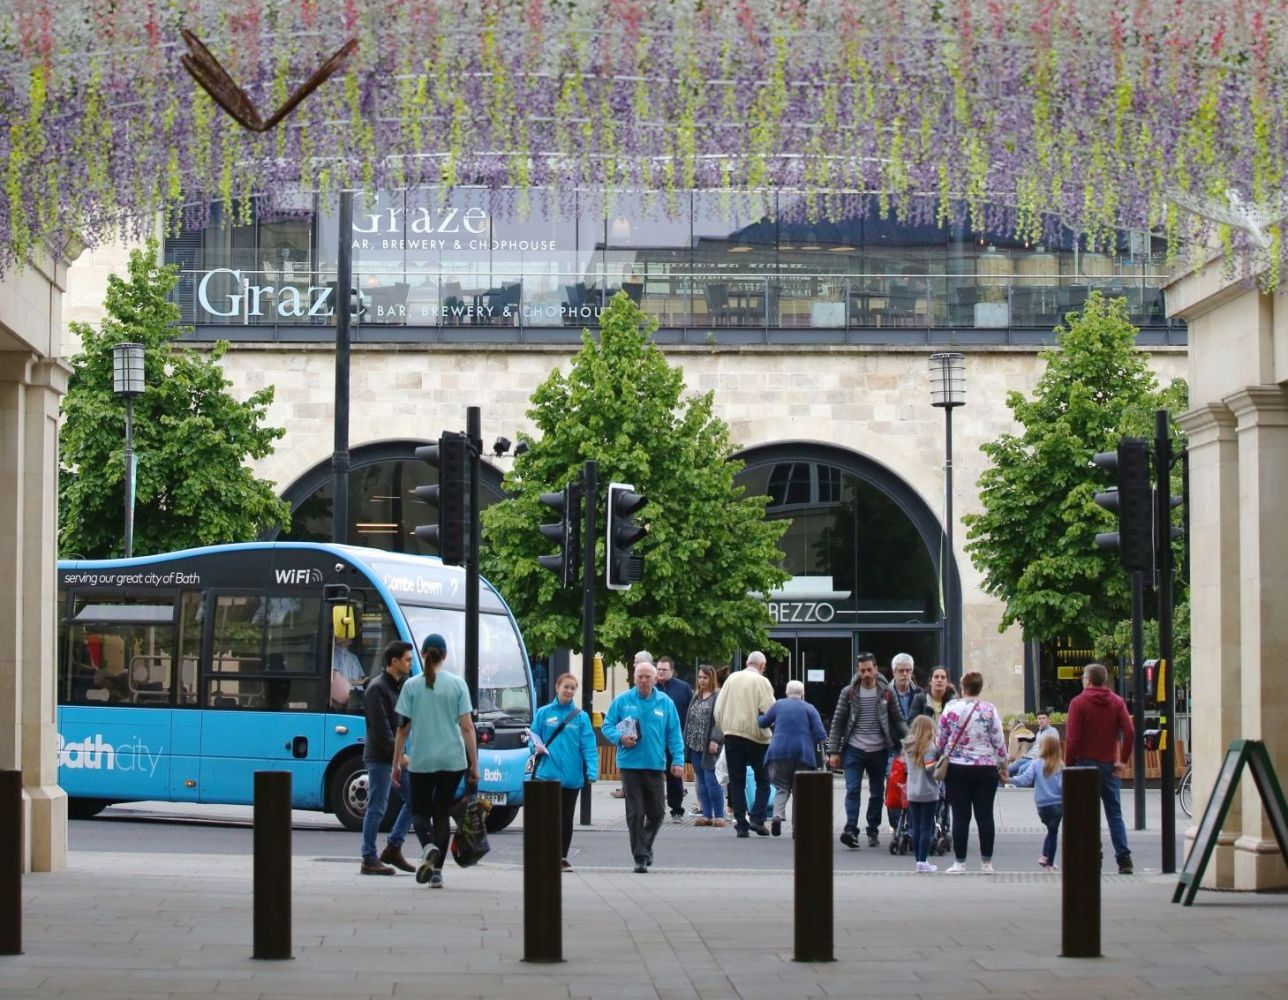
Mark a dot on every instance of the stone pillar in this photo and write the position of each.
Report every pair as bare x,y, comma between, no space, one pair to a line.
32,382
1262,414
47,839
1216,683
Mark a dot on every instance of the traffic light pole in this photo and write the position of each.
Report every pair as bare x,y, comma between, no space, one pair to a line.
1163,564
1138,694
474,431
589,491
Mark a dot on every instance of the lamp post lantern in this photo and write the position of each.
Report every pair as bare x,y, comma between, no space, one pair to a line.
128,381
948,391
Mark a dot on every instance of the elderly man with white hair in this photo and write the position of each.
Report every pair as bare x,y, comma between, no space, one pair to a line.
798,730
902,683
745,697
643,656
644,726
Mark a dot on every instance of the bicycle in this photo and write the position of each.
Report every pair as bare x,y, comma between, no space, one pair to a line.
1184,787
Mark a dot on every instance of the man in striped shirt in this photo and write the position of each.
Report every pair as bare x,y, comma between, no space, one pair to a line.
866,725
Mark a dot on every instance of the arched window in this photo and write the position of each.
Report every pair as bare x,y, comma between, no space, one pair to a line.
864,553
383,508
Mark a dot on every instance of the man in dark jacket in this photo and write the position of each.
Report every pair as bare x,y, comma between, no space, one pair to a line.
866,725
680,693
378,755
1099,734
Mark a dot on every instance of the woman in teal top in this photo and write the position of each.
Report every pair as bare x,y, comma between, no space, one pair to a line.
570,756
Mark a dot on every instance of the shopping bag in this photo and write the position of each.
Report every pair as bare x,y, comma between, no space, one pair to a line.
469,842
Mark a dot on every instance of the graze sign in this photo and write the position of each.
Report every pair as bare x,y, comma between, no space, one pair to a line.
463,235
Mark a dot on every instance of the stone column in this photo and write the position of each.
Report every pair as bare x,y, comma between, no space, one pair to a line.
47,839
15,370
30,390
1216,683
1262,414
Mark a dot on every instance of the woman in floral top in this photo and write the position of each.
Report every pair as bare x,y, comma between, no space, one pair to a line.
970,732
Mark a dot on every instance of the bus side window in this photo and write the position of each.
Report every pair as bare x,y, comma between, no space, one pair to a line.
238,650
120,650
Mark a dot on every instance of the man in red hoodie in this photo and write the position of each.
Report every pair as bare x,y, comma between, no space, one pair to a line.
1097,720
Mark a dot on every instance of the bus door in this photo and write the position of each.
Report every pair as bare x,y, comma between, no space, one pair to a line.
263,695
117,679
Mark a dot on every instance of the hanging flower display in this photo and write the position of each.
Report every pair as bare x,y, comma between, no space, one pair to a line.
1011,116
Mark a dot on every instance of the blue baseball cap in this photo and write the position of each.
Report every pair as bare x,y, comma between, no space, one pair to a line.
433,641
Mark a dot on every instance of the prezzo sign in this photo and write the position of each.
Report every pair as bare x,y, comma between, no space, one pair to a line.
93,753
801,611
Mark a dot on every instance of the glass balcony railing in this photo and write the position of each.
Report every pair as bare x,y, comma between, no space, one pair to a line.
230,297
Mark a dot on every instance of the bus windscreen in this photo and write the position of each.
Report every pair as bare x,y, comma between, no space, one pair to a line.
503,677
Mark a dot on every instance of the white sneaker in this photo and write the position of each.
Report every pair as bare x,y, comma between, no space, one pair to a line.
956,868
986,868
926,866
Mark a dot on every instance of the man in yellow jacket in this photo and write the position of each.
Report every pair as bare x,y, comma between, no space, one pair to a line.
745,696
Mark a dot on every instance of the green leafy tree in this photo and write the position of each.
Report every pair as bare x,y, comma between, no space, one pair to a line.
710,555
191,437
1117,645
1035,540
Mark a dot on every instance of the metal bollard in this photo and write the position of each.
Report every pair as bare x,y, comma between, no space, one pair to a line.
812,791
272,879
10,862
1080,905
542,888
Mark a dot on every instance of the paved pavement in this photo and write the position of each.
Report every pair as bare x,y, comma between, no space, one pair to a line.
120,924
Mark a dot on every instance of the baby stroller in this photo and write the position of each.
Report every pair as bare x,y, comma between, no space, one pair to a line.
896,801
941,840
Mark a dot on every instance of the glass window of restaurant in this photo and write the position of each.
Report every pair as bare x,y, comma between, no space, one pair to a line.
863,573
384,510
472,257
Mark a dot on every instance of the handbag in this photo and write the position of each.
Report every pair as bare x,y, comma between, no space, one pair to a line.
530,765
941,765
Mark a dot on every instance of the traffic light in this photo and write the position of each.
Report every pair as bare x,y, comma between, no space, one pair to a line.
566,532
622,567
1155,681
1133,501
452,458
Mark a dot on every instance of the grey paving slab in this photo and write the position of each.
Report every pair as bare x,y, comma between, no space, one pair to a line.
152,926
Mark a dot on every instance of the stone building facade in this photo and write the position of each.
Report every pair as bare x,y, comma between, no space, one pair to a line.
862,407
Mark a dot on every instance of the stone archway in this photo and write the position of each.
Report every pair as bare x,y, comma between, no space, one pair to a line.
864,545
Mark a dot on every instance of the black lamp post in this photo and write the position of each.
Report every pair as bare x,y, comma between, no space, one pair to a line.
127,381
948,390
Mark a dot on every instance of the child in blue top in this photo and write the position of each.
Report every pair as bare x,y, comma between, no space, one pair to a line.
1046,776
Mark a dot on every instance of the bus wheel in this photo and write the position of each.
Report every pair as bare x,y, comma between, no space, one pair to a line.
349,793
79,808
500,817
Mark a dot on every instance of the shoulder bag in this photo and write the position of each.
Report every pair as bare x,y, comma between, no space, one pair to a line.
941,765
530,765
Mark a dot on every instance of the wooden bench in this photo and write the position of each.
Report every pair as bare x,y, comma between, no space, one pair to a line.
1154,762
608,764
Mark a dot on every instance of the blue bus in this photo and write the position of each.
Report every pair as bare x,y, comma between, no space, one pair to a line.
182,674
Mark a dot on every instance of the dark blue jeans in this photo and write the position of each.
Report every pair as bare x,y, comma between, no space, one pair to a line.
378,782
857,763
1110,789
1050,817
921,825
